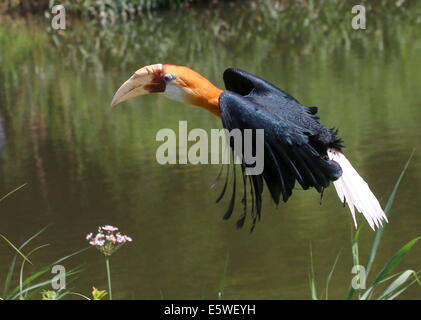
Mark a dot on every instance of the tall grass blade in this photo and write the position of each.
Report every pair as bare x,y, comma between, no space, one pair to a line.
355,257
385,271
397,294
329,277
312,276
367,294
23,265
221,293
12,192
38,274
73,272
406,287
16,249
79,295
399,282
379,231
13,263
43,284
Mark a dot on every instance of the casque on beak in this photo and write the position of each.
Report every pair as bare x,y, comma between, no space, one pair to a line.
145,80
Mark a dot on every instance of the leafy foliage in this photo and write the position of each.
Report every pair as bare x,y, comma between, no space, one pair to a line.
398,283
36,282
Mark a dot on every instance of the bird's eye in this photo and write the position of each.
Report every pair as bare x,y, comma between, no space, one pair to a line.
167,77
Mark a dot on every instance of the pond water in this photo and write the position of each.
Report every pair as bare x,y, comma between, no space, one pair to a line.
85,164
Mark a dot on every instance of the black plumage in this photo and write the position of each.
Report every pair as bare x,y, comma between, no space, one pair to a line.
295,143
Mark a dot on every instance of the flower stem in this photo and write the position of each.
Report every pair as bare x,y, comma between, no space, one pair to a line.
110,292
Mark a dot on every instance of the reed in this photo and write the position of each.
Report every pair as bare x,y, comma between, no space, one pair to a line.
385,285
35,283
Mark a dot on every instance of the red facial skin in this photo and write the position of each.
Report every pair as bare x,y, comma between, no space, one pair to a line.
157,84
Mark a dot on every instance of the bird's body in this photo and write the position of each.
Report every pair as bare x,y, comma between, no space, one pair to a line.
296,146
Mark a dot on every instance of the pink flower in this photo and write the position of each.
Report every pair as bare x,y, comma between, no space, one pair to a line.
99,236
109,228
107,240
111,238
98,243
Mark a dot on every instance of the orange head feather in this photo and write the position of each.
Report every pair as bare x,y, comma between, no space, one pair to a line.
197,89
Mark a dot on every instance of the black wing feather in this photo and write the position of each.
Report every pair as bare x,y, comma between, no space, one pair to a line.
295,142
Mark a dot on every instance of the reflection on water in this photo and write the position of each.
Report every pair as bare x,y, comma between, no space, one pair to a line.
87,165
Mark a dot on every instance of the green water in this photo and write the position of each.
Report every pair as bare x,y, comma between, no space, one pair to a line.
86,164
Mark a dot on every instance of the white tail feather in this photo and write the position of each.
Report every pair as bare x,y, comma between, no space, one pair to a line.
353,190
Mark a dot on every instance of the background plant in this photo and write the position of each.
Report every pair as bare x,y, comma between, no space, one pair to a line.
386,285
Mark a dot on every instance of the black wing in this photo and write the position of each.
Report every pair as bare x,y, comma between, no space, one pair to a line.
281,103
243,82
247,84
290,146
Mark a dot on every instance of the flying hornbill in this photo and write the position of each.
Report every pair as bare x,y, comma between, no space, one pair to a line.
296,146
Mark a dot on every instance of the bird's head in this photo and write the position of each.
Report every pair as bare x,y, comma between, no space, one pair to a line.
176,82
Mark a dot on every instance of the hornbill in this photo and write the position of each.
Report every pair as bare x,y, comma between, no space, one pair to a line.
296,146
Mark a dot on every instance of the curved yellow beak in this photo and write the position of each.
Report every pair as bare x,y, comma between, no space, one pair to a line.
145,80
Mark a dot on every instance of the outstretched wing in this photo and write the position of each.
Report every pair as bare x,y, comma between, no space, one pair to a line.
247,84
290,151
283,104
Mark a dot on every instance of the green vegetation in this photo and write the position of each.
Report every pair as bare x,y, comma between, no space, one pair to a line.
111,11
34,284
93,8
221,291
385,286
